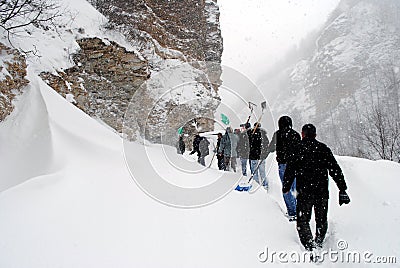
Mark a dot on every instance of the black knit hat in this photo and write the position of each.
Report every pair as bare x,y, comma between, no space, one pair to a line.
285,122
309,131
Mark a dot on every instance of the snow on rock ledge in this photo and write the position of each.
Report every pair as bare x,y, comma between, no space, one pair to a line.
102,81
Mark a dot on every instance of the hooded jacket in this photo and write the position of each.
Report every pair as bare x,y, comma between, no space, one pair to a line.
284,141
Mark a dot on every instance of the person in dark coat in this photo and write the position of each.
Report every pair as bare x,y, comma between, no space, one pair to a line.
181,145
196,142
200,146
258,144
228,147
285,139
243,148
310,166
204,150
220,156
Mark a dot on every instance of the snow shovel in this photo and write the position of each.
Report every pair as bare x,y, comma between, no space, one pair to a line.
263,107
251,107
215,152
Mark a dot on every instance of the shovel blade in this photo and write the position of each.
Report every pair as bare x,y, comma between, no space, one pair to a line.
252,105
263,105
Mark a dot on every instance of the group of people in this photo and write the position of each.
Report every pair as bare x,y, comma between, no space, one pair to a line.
250,145
303,166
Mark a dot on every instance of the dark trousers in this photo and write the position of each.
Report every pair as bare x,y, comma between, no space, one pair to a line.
230,161
221,164
304,210
201,160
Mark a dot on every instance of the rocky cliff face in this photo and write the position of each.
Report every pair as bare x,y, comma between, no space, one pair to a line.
353,70
171,29
12,78
164,34
103,80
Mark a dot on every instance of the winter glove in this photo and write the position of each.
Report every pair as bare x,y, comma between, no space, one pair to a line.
192,152
343,198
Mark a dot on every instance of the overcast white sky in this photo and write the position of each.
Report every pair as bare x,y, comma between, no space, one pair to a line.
258,32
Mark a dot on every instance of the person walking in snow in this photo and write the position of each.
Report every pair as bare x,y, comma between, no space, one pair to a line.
220,156
310,166
180,145
200,146
243,148
284,140
228,149
258,144
204,150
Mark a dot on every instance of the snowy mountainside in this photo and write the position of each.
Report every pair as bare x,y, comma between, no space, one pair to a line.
95,64
353,70
165,35
69,55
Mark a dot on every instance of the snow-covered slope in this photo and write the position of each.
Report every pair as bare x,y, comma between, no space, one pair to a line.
353,70
86,211
25,140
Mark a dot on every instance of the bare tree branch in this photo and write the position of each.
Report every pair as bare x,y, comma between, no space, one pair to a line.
16,14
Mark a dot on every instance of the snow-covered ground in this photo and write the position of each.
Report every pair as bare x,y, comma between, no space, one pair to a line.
68,198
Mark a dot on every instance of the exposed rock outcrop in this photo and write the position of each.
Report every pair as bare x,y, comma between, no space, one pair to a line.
189,27
12,78
103,80
165,34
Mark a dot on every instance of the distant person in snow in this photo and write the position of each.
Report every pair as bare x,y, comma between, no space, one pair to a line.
200,146
180,145
310,166
220,156
243,148
228,149
258,141
204,150
284,141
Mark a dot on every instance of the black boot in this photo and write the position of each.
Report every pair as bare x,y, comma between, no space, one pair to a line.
319,241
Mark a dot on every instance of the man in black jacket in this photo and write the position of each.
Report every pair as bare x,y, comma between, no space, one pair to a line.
200,146
284,141
220,157
180,145
258,144
310,166
243,148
